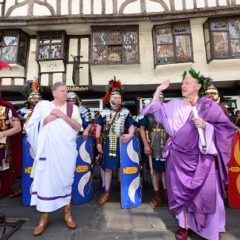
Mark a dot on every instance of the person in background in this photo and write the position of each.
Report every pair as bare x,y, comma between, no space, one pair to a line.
84,113
154,137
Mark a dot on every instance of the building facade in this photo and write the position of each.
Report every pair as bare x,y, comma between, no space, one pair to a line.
84,43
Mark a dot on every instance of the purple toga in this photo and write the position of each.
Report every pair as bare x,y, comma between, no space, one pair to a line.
196,179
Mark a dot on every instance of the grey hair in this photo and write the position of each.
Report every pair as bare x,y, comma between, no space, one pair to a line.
57,85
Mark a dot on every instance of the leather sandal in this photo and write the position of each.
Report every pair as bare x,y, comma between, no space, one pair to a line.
39,229
70,223
103,198
182,234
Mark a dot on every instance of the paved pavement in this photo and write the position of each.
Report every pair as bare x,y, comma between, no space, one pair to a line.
108,222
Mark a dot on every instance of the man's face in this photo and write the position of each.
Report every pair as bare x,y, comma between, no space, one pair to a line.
60,93
72,100
35,99
190,87
115,100
212,95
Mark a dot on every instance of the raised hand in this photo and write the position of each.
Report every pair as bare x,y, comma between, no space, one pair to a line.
164,85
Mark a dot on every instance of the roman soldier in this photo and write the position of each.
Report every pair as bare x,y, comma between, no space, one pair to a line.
116,123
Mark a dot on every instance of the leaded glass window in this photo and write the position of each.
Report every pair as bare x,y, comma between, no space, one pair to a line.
115,45
51,45
13,46
172,43
222,38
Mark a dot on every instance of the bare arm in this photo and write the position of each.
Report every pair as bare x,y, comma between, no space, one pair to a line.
161,88
143,134
16,128
98,142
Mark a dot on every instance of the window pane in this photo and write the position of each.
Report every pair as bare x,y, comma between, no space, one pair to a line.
44,39
130,38
219,25
99,54
115,37
130,53
165,54
115,54
183,49
8,54
99,38
56,37
10,40
43,52
164,36
22,49
235,45
234,28
220,44
55,51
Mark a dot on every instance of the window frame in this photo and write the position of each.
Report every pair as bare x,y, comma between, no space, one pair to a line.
174,35
63,38
207,25
123,29
19,33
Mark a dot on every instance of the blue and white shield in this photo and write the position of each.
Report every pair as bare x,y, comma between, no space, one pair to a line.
27,164
131,190
82,188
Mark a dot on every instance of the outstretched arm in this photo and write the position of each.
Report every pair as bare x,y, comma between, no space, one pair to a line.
161,88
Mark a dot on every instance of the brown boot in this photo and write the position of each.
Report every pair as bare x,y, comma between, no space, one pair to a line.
70,223
39,229
156,200
103,198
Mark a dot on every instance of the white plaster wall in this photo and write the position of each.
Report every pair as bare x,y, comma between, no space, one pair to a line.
19,81
178,5
21,11
109,7
39,10
222,2
17,71
237,1
64,8
84,74
97,6
212,3
44,80
154,7
76,7
189,4
87,6
69,70
85,49
133,8
72,49
32,69
57,77
53,3
201,3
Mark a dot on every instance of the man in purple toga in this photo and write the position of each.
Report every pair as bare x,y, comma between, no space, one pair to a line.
196,175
